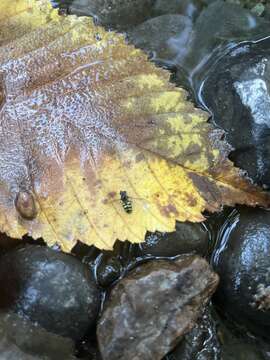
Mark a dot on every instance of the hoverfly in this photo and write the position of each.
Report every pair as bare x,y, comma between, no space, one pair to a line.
125,201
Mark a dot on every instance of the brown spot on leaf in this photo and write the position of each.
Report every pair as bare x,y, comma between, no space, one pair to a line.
208,189
191,200
25,205
111,195
169,210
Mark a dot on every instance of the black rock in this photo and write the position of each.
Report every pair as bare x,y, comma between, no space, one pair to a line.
188,238
49,288
190,8
162,37
237,94
118,14
201,343
149,310
21,340
218,28
108,269
242,260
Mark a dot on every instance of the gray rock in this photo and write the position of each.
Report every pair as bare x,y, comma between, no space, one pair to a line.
163,36
21,340
153,306
188,238
119,14
189,8
50,288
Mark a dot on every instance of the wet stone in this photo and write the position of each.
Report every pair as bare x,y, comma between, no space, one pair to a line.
237,345
218,28
201,343
242,260
162,36
117,14
21,340
49,288
149,310
237,93
188,238
108,270
189,8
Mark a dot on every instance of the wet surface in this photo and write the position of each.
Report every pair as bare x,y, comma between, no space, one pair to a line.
223,61
242,260
49,288
237,94
172,295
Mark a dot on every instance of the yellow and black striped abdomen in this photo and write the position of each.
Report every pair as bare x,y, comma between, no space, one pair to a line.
127,206
126,202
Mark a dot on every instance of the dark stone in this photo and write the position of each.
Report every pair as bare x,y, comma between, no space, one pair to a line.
242,260
162,37
118,14
87,349
108,270
188,238
49,288
7,243
189,8
218,28
21,340
149,310
237,94
201,343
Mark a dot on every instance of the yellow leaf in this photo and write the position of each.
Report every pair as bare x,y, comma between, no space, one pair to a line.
86,118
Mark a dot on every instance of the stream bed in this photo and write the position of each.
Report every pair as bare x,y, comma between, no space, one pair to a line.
220,53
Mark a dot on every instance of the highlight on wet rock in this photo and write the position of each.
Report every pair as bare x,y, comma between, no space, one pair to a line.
85,118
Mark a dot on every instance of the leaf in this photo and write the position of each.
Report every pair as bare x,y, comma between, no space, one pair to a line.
85,116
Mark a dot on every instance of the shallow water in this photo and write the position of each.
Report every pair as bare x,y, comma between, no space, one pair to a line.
193,77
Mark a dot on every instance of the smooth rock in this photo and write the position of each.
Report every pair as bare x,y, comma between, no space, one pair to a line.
149,310
117,14
162,37
188,238
21,340
237,94
242,260
189,8
218,28
49,288
201,343
108,269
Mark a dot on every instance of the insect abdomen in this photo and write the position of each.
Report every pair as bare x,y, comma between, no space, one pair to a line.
127,206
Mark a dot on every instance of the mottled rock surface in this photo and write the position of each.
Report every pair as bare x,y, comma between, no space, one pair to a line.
153,306
50,288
